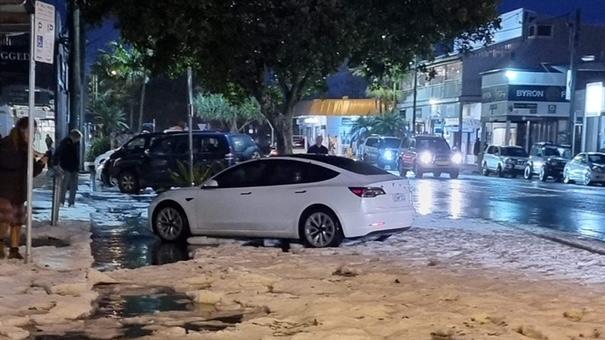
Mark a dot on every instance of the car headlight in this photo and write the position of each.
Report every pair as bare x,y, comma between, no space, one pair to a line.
388,155
508,161
457,158
426,158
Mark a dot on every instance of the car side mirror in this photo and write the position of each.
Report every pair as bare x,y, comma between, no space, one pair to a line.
210,184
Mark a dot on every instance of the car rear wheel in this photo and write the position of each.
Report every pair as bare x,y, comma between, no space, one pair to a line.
320,229
170,223
499,171
528,174
484,169
454,174
128,183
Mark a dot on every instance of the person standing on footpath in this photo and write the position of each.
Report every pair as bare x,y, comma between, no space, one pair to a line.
67,158
318,148
13,184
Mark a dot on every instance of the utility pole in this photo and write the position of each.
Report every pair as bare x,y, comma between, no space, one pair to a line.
75,97
415,96
574,40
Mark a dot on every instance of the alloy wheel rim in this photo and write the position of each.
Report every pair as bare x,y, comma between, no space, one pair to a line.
587,178
128,182
527,172
320,229
169,224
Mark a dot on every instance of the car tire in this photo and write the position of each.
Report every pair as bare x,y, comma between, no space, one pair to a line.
499,171
543,175
528,173
436,174
566,178
484,169
170,223
320,228
402,172
587,180
418,172
454,174
128,183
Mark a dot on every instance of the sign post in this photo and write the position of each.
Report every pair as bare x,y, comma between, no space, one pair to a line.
42,44
190,122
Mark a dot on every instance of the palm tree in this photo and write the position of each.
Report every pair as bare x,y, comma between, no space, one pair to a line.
126,64
108,116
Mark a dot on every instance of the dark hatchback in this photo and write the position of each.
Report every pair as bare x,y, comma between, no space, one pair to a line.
422,154
156,165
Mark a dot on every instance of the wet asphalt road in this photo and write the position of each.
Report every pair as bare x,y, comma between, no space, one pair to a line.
121,238
569,208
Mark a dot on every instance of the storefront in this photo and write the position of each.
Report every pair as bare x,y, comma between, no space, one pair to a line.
334,120
522,107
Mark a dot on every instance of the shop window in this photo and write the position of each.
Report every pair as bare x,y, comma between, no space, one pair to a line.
541,31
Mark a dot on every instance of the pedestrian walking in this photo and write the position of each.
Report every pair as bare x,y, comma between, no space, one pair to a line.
13,184
318,148
67,158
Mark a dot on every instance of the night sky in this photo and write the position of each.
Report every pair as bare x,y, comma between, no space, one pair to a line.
593,11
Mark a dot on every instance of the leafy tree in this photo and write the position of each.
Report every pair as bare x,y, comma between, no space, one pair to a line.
280,50
235,116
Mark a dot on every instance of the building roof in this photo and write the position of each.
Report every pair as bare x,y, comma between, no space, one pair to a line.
338,107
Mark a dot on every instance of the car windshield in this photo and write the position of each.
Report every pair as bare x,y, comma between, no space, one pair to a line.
597,158
551,151
392,143
433,144
357,167
514,152
241,142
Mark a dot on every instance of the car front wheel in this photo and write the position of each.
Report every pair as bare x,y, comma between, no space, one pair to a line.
320,229
128,183
484,169
566,178
543,175
454,174
499,171
170,223
528,173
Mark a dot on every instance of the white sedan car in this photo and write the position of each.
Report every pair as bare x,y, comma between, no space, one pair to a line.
317,199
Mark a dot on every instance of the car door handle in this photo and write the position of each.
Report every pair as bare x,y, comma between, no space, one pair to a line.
300,192
246,193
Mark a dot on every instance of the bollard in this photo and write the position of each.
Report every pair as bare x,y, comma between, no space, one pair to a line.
93,177
57,181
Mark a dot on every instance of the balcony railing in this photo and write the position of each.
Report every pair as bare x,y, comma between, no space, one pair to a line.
446,90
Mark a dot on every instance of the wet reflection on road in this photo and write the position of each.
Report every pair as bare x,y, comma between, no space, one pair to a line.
515,201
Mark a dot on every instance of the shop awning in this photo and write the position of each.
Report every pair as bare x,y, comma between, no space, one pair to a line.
337,107
13,16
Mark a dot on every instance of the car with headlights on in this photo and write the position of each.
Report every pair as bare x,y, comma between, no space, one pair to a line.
504,160
547,160
427,153
318,199
382,151
586,168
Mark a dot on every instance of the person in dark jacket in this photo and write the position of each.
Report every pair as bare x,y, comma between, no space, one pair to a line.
13,185
318,148
67,158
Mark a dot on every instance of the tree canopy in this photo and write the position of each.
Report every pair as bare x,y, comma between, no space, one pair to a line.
279,50
233,115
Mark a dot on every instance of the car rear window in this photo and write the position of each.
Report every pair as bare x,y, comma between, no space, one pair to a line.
241,142
515,152
357,167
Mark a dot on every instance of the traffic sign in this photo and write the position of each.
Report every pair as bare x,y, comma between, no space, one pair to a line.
44,32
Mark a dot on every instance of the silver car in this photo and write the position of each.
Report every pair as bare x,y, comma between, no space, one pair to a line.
586,168
504,160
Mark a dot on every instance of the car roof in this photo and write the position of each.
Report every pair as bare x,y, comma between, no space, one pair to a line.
428,137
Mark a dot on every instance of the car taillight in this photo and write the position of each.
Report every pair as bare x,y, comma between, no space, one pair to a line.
367,192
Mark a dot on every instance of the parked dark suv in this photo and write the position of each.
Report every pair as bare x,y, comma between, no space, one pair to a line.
547,160
422,154
157,164
131,151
